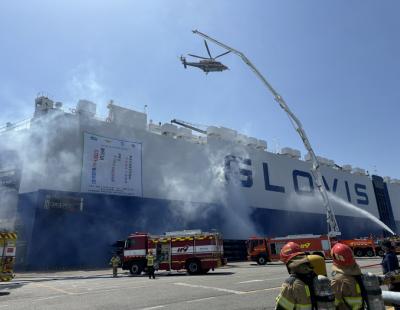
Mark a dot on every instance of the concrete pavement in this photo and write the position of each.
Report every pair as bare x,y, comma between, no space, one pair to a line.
242,285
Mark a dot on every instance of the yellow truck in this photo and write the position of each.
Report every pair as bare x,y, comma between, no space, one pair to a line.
7,255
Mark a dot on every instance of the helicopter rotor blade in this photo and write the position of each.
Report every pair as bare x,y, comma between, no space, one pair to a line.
208,50
222,54
198,56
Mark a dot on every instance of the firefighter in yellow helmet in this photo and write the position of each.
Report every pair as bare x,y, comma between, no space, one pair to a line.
304,289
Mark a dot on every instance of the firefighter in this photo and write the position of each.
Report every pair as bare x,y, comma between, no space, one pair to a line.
115,262
299,290
150,264
346,278
390,264
353,290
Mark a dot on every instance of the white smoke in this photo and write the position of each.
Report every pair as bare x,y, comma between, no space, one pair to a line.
207,186
28,151
86,81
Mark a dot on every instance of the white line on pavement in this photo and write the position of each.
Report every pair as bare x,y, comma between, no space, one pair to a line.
108,290
263,290
155,307
250,281
50,297
200,299
210,288
53,288
258,280
93,292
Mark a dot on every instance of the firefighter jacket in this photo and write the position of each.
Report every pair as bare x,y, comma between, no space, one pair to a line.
115,261
150,260
347,285
295,293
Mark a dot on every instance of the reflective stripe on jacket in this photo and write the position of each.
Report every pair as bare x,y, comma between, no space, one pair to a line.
150,260
294,296
347,290
115,261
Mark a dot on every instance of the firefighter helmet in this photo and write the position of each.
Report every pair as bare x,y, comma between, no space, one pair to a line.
290,250
342,255
318,264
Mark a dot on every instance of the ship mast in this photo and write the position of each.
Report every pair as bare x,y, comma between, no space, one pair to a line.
333,228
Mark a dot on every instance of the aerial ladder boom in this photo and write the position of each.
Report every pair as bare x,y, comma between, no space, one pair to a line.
333,228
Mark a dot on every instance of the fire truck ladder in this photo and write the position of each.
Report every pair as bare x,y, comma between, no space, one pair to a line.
333,228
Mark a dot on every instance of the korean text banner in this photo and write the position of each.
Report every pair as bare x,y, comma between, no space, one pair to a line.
111,166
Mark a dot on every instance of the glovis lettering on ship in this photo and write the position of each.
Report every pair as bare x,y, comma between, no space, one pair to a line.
244,173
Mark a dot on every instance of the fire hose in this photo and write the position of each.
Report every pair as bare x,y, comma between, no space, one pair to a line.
391,297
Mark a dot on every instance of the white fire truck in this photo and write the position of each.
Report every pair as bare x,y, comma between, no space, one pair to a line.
193,250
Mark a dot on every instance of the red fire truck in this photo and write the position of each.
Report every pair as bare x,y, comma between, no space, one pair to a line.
193,250
363,247
263,250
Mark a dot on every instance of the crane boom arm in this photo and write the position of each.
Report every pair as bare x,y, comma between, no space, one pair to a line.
333,228
187,125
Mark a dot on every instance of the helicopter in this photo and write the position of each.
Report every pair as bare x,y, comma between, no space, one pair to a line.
207,64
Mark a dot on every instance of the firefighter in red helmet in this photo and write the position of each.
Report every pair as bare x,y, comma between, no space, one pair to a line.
346,278
353,290
298,291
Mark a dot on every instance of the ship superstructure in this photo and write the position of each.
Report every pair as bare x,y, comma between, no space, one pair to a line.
74,182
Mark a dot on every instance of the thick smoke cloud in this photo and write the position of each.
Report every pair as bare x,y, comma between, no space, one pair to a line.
210,184
27,151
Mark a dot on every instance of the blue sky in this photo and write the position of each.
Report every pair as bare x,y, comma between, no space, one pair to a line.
337,64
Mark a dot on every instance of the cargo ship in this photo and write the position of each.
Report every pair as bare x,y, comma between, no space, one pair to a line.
72,183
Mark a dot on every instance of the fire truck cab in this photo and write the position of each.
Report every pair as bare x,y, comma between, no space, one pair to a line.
193,250
7,255
263,250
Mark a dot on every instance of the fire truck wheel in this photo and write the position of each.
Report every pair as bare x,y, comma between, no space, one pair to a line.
193,267
358,252
204,271
381,253
370,253
136,268
261,260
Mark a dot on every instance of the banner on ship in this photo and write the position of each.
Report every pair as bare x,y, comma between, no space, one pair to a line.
111,166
